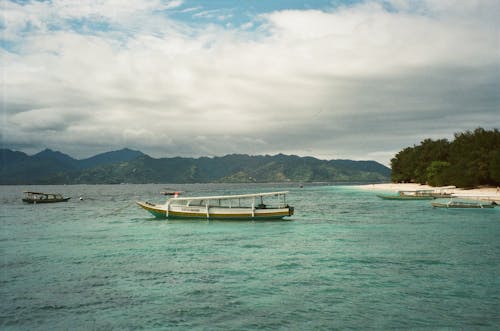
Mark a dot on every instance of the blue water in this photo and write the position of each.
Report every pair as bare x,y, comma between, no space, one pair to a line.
347,260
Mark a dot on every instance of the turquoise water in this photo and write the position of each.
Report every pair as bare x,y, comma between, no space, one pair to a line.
347,260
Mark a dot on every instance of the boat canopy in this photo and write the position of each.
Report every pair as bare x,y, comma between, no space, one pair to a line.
436,190
40,194
228,197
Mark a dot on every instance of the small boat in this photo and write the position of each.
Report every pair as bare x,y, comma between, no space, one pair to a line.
419,194
40,197
407,195
463,204
434,193
234,207
174,193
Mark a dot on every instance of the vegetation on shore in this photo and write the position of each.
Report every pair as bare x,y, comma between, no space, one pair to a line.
470,160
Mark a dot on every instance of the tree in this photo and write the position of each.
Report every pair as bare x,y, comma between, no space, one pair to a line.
494,168
427,152
470,155
471,159
438,173
402,165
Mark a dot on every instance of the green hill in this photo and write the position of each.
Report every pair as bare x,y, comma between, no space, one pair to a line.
234,168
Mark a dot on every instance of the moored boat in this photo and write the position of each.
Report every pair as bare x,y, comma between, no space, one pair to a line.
434,193
406,195
41,197
269,205
419,194
463,204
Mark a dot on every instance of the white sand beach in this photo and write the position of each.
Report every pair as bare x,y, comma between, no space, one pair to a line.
481,193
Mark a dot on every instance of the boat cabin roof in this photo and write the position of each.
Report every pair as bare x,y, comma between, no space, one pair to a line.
41,193
435,190
228,197
29,194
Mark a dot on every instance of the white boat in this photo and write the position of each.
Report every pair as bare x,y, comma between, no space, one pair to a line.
463,204
269,205
418,194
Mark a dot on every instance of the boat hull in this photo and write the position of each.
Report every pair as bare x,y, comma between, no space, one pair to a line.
37,201
462,205
201,212
405,197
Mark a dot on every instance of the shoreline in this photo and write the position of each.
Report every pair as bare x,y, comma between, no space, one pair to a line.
481,193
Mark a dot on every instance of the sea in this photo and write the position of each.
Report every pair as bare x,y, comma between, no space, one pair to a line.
345,260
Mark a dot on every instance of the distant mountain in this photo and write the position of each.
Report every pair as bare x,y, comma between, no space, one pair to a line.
64,161
8,157
19,168
123,155
369,166
135,167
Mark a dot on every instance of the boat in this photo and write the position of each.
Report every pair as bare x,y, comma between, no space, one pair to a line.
434,193
463,204
407,195
419,194
174,193
41,197
258,206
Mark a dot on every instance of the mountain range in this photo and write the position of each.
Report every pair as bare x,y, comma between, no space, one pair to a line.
131,166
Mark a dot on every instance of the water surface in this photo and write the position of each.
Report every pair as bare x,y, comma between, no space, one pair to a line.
346,260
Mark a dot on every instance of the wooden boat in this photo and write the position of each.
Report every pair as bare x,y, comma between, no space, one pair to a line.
419,194
433,193
41,197
406,195
236,207
463,204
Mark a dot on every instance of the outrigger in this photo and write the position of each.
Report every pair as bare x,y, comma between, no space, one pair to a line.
235,207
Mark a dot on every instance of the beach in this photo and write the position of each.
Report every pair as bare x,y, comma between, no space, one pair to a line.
481,193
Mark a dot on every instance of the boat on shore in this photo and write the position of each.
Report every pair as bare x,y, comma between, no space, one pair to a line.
258,206
41,197
463,204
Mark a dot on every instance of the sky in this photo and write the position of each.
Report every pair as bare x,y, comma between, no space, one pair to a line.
333,79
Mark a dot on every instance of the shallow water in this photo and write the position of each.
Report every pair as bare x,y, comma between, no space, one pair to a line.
346,260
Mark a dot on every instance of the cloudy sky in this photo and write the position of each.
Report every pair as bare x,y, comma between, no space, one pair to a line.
330,79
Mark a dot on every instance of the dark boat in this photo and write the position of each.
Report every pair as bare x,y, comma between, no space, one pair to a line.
40,197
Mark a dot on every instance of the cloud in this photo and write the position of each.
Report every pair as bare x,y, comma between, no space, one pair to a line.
356,81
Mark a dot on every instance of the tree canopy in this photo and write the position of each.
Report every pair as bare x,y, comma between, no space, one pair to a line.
471,159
